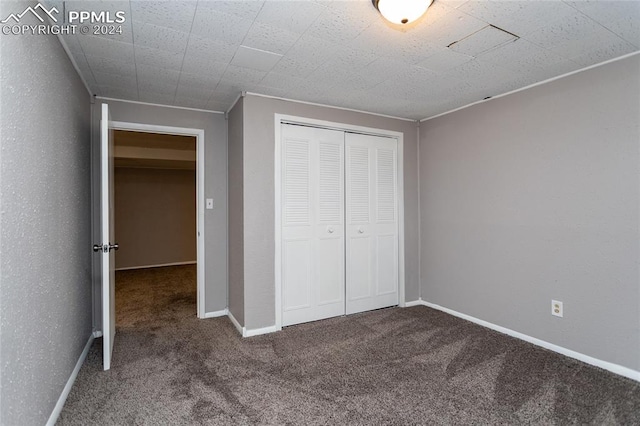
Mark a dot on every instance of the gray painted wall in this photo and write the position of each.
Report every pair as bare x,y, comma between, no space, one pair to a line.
535,196
259,196
236,213
155,216
215,134
45,249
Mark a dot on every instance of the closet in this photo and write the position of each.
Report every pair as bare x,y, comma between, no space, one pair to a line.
339,223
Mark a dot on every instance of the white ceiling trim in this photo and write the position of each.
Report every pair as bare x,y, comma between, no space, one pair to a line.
160,105
540,83
75,65
332,106
240,95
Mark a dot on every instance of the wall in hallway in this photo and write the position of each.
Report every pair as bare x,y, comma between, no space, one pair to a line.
155,216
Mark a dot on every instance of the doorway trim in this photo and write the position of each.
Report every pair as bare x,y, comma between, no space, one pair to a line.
280,119
200,203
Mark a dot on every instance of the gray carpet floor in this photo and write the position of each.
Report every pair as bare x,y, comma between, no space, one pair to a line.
392,366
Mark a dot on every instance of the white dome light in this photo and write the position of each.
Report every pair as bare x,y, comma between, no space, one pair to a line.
402,11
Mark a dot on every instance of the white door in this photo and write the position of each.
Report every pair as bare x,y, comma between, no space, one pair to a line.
107,245
372,222
312,224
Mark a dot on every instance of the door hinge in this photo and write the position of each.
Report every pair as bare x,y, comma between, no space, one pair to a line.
105,248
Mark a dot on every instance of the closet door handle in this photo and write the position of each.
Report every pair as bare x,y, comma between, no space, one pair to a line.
330,229
360,230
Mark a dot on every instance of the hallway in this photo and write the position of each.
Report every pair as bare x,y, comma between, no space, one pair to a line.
149,298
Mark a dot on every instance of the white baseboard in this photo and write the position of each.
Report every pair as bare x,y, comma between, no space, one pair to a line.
253,332
237,325
216,314
259,331
606,365
161,265
413,303
53,418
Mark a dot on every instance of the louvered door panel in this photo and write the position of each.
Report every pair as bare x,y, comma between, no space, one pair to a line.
359,184
372,223
330,182
296,181
386,185
312,224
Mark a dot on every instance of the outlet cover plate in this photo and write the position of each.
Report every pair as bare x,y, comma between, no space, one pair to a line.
557,308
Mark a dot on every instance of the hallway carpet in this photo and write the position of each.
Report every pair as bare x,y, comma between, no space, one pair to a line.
392,366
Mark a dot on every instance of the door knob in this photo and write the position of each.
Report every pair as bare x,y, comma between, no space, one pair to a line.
114,247
360,230
330,229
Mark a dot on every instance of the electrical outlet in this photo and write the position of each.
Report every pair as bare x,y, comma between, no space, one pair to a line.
556,308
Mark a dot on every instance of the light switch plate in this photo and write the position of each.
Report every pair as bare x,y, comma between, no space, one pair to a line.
209,203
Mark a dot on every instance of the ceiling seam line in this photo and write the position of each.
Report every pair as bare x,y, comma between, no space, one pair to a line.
175,94
235,53
133,47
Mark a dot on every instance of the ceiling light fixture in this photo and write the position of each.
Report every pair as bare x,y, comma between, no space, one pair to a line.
402,11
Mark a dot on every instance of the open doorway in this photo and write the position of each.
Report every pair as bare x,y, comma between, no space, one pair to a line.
155,190
154,148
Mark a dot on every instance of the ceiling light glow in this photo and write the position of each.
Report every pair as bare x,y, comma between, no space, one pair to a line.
402,11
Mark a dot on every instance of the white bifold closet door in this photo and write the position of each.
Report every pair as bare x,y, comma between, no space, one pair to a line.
372,222
339,219
313,275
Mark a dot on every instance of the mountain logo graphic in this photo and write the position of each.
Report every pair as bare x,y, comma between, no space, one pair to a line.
17,17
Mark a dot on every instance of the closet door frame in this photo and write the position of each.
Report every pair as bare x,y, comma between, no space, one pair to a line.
280,119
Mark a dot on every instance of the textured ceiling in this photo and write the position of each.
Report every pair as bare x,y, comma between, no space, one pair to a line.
343,53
